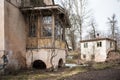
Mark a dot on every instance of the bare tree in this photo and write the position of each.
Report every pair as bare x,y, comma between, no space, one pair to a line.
76,10
82,14
115,32
93,31
70,33
113,25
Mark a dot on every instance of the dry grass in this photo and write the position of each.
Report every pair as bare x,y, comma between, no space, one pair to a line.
43,75
59,75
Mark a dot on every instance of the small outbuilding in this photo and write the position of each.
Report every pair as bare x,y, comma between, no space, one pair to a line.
96,49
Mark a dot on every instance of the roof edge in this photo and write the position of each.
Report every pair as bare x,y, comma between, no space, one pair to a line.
97,39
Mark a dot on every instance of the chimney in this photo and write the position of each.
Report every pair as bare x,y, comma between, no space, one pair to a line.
98,36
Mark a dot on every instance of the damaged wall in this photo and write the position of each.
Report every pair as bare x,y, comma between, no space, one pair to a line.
45,56
96,53
15,2
15,36
36,3
1,24
48,2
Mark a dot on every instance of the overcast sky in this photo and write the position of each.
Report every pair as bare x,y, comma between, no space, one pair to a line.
102,9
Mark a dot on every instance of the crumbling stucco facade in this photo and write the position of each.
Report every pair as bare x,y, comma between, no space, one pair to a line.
15,42
96,49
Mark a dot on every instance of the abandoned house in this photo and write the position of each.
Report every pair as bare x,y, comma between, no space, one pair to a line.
96,49
32,34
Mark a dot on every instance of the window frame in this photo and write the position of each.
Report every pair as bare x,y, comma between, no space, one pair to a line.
85,45
111,44
99,44
84,56
46,24
32,30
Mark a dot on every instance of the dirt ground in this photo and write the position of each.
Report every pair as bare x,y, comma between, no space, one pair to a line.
107,74
112,73
96,71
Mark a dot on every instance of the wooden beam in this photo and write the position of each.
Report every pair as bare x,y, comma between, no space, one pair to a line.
38,28
55,7
53,30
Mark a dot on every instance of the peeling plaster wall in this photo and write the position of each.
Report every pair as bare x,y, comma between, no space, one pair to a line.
45,56
2,38
48,2
99,52
2,25
16,2
15,38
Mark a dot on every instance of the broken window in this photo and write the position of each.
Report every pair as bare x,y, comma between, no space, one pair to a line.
47,26
32,30
99,44
58,30
32,26
85,45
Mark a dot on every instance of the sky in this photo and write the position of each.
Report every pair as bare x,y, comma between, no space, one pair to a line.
101,10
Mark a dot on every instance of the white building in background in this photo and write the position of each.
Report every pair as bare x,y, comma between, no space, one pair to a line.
96,49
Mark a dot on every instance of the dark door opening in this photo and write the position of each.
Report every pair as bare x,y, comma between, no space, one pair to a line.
60,63
38,64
